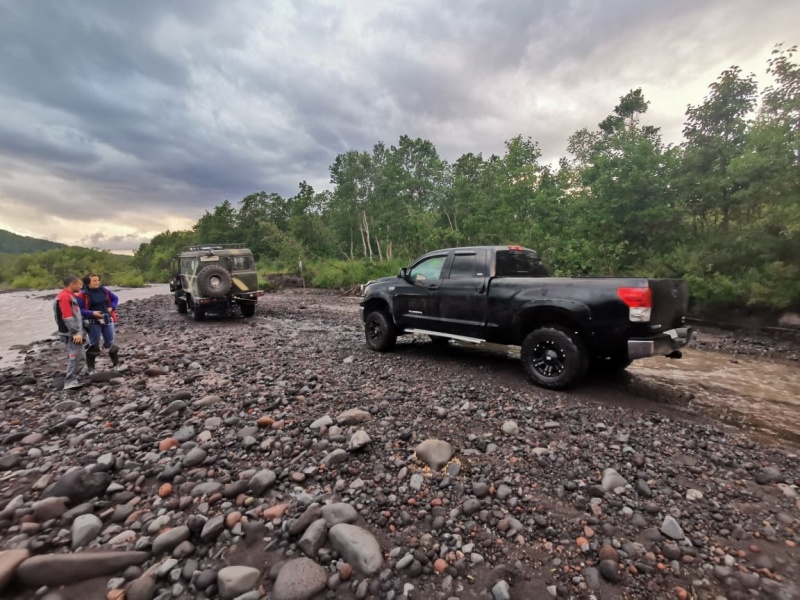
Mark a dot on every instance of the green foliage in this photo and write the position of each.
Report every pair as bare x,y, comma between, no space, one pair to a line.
722,209
129,278
342,274
35,277
154,259
45,270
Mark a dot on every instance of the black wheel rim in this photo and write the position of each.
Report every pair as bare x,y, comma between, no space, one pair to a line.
374,332
548,359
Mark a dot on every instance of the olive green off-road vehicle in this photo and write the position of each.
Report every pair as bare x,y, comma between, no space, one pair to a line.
215,278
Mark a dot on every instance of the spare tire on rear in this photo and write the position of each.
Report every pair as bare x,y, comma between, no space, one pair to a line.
214,281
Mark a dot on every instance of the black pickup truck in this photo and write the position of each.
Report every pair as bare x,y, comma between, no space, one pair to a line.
503,295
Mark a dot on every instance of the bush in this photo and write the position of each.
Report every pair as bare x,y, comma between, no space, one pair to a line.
129,279
334,274
348,274
35,277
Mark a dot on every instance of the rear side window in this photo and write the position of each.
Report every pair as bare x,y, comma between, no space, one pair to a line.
241,263
513,263
467,266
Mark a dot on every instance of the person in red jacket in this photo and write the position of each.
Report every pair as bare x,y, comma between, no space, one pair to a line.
99,309
70,329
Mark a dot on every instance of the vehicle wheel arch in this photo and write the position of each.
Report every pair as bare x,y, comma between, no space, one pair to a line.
536,316
374,304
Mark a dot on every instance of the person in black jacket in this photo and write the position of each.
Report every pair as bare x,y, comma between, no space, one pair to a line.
99,310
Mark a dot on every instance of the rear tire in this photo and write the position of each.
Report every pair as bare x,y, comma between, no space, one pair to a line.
248,309
554,357
379,331
198,313
180,304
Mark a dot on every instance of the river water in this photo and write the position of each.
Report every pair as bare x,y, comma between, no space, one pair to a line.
27,317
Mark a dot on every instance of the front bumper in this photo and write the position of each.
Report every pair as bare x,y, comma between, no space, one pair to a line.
661,345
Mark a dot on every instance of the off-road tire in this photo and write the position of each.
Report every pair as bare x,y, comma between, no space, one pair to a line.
554,357
248,309
214,281
198,313
181,305
379,331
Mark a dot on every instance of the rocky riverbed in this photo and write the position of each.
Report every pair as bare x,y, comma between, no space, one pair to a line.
276,457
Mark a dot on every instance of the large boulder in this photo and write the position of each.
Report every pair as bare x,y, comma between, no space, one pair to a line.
434,453
358,547
62,569
299,579
79,485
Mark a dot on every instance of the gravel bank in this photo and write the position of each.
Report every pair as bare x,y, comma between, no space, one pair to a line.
277,457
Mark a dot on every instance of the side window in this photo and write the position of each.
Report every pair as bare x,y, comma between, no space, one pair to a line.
519,264
241,263
467,266
430,268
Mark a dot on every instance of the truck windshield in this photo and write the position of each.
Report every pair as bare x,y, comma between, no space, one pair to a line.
513,263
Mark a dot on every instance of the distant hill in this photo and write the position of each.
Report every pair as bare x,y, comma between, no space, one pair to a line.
12,243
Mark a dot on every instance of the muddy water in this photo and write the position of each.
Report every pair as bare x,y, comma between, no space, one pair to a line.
27,317
760,393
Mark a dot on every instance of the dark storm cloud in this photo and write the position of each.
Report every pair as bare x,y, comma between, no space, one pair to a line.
151,108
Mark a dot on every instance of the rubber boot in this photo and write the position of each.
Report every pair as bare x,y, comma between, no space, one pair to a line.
91,357
113,354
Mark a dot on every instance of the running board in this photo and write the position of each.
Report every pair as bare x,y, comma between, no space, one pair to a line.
451,336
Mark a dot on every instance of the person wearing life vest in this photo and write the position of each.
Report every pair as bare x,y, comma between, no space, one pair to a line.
71,329
99,309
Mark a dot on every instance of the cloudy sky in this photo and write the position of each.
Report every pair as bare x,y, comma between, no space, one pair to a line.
119,120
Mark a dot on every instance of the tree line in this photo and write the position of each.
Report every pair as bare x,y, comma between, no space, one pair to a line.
44,270
721,209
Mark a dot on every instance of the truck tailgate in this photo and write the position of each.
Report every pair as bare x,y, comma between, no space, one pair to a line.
670,302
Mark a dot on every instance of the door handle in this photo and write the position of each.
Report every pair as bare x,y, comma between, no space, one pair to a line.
433,286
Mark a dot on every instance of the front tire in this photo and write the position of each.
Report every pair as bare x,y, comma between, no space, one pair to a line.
379,331
554,357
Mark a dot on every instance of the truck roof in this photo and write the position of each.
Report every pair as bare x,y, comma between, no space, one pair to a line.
496,248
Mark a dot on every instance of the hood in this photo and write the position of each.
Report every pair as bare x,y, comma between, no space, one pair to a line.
382,280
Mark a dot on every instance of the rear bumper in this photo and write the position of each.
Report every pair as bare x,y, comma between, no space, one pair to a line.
226,300
660,345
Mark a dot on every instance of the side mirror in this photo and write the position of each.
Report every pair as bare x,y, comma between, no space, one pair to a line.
403,273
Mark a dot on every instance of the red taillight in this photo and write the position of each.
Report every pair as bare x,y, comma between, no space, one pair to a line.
516,248
636,297
639,301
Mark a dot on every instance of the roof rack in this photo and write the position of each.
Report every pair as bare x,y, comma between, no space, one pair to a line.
201,247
